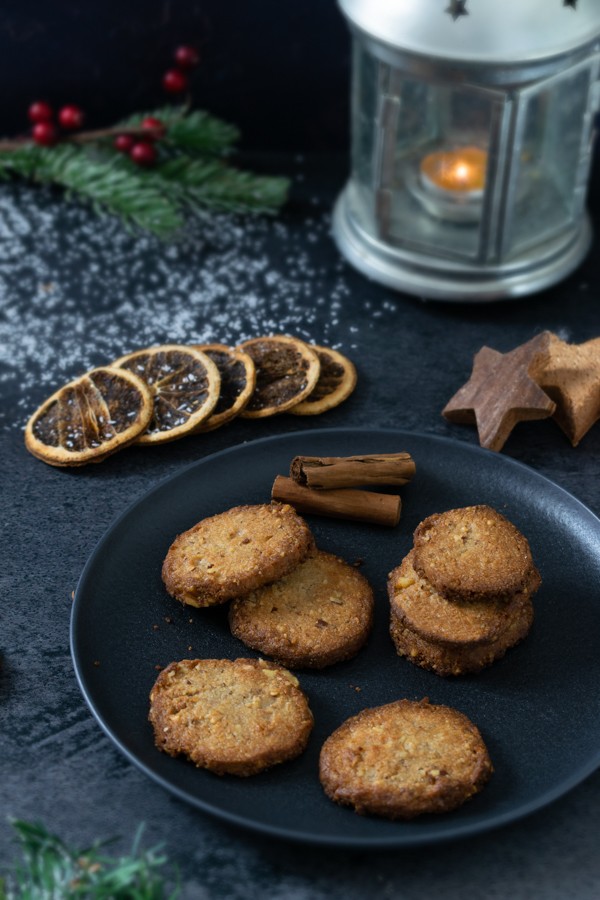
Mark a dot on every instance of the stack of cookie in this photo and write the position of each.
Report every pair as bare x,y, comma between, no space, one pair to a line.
462,596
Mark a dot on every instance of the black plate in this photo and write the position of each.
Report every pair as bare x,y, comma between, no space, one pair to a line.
538,708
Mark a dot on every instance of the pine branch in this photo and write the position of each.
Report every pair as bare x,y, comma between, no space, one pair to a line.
199,132
189,177
117,188
212,184
193,132
51,870
166,114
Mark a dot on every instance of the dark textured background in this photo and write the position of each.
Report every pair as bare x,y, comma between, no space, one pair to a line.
74,289
278,70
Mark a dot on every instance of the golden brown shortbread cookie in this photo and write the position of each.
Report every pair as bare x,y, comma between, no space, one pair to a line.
232,553
429,614
473,553
404,759
319,614
460,659
231,717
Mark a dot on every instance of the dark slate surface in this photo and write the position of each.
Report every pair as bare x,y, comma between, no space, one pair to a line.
75,291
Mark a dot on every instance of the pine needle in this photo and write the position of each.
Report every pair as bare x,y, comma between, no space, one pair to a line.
115,187
51,870
199,184
199,132
196,131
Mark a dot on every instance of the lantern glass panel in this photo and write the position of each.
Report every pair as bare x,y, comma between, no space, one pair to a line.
548,160
364,113
420,154
439,137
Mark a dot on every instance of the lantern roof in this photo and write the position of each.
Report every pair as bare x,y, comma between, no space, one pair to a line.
482,31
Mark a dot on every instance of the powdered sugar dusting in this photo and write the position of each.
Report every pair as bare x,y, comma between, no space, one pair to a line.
96,291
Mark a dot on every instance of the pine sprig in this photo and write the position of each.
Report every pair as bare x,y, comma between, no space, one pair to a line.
192,173
194,131
51,870
110,186
200,133
199,184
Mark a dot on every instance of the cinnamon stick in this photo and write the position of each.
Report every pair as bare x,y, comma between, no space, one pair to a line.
360,506
327,472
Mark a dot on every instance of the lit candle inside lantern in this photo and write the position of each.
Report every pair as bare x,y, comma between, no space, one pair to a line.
455,173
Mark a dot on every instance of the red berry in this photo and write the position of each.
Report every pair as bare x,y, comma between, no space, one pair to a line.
71,117
143,153
44,133
155,128
40,112
174,81
124,142
187,57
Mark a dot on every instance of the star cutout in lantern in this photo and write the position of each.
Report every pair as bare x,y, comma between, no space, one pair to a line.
501,392
571,377
457,8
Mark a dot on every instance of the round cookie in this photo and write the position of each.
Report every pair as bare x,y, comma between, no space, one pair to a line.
234,717
473,553
445,659
319,614
232,553
404,759
426,612
451,637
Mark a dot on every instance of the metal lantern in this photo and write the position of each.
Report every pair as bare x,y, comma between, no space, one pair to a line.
472,127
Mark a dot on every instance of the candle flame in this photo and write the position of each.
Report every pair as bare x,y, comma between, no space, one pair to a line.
463,169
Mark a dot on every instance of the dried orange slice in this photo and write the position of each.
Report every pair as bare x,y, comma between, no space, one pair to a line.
336,382
184,384
90,418
287,370
238,379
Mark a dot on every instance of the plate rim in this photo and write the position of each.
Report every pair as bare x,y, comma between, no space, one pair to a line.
396,842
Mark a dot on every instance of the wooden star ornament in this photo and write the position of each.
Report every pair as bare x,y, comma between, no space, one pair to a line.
501,392
571,377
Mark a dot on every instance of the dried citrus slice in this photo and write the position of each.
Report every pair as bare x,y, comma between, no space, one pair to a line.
90,418
184,384
238,379
336,382
287,371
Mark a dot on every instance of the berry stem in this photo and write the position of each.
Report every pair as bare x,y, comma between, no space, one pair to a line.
86,137
83,137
